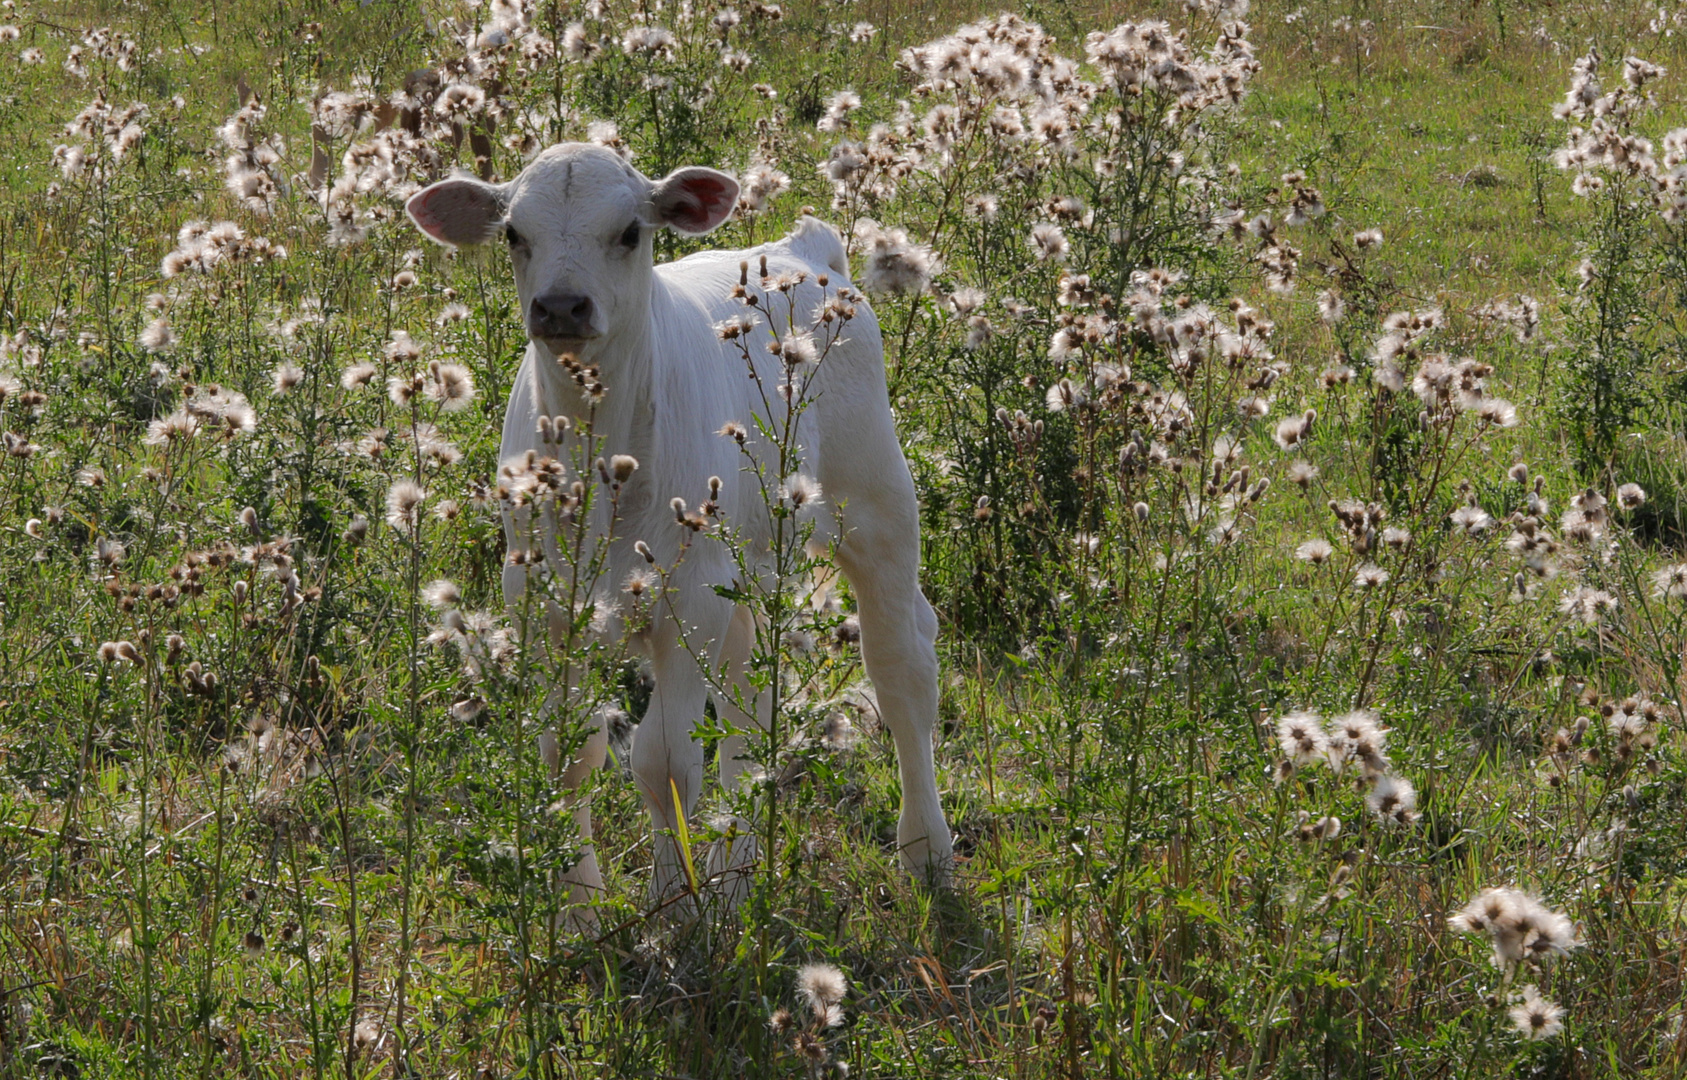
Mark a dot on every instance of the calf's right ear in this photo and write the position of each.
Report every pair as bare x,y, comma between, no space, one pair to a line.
459,211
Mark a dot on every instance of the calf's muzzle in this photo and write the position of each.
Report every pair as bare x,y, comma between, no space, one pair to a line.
566,316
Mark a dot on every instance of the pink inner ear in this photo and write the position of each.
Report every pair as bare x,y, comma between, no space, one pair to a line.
422,212
706,197
455,212
435,209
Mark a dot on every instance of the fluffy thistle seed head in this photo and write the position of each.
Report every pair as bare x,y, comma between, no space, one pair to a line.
1301,736
1670,583
404,500
1588,605
286,378
1498,412
451,385
1393,799
1315,551
1292,431
367,1035
640,580
822,987
1536,1017
1371,576
894,264
357,376
797,349
441,594
1330,307
1471,519
1048,242
800,490
158,337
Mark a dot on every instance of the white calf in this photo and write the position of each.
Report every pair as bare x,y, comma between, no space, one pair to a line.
579,222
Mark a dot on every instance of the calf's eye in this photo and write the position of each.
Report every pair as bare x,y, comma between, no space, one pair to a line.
511,237
630,237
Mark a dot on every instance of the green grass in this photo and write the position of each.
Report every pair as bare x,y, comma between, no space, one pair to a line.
324,863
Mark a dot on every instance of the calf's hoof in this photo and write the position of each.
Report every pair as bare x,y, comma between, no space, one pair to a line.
928,858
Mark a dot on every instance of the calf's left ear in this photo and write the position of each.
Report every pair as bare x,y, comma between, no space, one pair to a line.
693,200
459,211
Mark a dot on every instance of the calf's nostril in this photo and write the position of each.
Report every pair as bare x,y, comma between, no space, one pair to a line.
562,315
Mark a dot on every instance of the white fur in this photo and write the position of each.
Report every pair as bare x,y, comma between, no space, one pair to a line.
671,385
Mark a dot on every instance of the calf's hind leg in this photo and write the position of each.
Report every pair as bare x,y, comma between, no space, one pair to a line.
880,555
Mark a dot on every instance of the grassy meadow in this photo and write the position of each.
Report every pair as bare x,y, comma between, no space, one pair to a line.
1296,401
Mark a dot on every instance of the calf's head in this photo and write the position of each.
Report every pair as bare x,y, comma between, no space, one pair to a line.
578,222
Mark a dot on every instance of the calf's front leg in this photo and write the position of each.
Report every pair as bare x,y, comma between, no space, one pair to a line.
667,761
